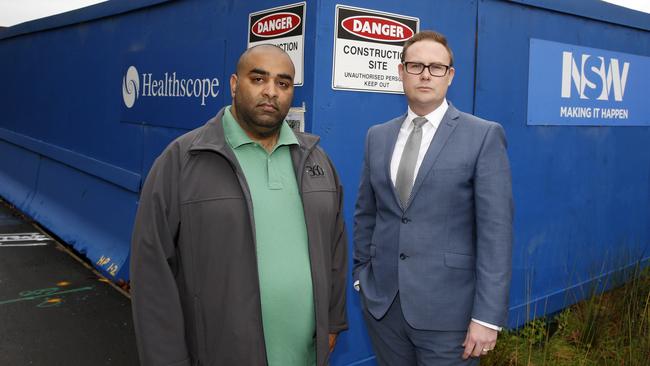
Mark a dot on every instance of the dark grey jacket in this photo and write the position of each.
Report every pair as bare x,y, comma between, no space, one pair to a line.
194,278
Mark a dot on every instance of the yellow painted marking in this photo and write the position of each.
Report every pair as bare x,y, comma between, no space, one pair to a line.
103,261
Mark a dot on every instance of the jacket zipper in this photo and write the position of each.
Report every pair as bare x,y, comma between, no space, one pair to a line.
244,186
303,163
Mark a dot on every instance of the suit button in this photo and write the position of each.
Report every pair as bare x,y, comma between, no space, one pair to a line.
402,256
405,220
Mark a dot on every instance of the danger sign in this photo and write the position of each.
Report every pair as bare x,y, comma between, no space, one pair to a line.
377,29
284,27
368,48
274,25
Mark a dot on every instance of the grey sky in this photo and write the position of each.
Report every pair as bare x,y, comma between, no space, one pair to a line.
18,11
640,5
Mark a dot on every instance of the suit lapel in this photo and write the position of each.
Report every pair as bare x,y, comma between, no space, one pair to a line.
445,129
390,141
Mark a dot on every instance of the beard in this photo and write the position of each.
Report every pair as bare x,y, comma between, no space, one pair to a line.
263,118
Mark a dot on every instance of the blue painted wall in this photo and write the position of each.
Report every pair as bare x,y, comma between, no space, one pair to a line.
581,193
73,156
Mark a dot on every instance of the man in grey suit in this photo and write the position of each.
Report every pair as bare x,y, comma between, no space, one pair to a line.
433,223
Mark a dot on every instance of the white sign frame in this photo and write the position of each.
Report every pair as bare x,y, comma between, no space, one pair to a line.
340,84
298,58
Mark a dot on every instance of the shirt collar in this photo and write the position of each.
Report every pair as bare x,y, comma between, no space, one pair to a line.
236,136
434,118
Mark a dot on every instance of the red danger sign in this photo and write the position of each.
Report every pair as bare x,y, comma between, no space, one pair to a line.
276,24
377,28
368,49
283,26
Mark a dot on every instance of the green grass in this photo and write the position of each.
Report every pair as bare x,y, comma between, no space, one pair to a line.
611,328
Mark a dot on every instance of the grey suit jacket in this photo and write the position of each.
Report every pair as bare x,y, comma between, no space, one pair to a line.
448,252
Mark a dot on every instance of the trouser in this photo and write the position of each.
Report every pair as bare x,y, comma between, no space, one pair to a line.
396,343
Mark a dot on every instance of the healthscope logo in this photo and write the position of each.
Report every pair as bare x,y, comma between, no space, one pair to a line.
595,79
130,86
136,85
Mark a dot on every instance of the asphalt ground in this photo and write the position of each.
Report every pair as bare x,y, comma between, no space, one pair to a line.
54,308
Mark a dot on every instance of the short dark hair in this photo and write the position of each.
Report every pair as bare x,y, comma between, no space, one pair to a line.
432,36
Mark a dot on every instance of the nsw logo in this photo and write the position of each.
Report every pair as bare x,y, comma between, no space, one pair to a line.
377,28
593,77
130,87
276,24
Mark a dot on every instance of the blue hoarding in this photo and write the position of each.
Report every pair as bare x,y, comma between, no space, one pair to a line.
88,106
573,85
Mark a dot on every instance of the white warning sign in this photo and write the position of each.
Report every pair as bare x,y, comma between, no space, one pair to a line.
368,48
284,27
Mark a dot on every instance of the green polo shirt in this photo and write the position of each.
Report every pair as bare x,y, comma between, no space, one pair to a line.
282,247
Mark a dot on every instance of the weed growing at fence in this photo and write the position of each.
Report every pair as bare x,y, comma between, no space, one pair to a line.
610,328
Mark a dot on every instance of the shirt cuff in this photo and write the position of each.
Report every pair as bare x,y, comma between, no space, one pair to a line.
356,285
491,326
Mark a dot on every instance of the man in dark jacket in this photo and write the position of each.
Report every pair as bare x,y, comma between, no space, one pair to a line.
239,253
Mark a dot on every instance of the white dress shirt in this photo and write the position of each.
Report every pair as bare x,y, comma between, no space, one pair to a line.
428,131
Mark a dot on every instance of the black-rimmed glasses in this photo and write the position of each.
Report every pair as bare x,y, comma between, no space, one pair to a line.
416,68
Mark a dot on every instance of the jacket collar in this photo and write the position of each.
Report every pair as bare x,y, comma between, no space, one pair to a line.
212,137
444,130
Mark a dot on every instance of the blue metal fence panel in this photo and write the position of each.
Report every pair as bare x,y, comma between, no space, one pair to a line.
18,174
76,143
63,108
581,193
595,9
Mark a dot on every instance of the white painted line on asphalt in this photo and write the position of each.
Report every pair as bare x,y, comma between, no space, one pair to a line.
2,245
14,237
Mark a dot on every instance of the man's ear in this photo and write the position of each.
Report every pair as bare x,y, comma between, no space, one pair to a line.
233,84
452,72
